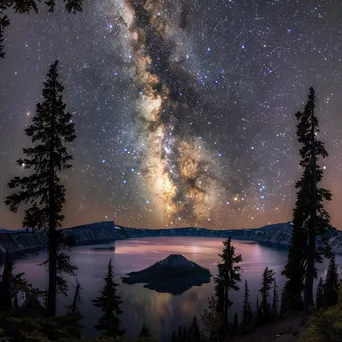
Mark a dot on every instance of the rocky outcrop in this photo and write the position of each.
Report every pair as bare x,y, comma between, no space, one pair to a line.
100,232
175,274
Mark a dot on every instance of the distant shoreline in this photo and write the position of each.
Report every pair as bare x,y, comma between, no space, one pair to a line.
276,235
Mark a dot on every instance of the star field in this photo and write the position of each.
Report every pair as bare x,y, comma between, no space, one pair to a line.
184,110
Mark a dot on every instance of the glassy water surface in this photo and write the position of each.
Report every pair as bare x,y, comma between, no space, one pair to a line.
161,312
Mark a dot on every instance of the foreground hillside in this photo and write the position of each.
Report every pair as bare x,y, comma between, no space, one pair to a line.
101,232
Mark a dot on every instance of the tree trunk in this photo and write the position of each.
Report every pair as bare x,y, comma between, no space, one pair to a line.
225,308
52,294
74,302
52,243
308,289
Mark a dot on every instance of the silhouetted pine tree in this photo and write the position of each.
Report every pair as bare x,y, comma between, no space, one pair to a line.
32,305
247,314
310,219
292,298
331,284
266,285
26,6
235,325
257,303
179,334
257,313
194,334
12,284
50,130
212,319
184,334
5,285
109,303
320,294
145,331
275,300
228,277
77,300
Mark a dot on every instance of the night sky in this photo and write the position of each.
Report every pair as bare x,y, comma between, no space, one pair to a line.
184,109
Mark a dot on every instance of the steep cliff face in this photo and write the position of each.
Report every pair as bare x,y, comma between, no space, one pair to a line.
336,243
276,234
20,241
96,232
100,232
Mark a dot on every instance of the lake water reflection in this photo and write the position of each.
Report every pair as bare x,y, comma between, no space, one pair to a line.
161,312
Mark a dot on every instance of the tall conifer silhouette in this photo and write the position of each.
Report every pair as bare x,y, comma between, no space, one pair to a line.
227,279
275,300
41,192
247,312
331,284
265,290
320,294
109,304
310,219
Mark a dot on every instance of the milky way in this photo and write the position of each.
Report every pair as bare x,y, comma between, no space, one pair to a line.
177,170
184,109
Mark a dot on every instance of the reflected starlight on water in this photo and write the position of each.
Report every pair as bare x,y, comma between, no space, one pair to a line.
162,312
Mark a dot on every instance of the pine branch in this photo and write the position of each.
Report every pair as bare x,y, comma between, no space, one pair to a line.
74,6
25,7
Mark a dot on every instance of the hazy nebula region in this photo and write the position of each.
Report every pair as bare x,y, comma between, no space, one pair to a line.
184,109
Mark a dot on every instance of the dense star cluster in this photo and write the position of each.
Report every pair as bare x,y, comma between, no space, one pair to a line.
184,110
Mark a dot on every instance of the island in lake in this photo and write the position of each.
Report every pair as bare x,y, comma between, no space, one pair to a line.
175,274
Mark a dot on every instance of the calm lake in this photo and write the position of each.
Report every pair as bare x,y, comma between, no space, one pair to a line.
162,312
